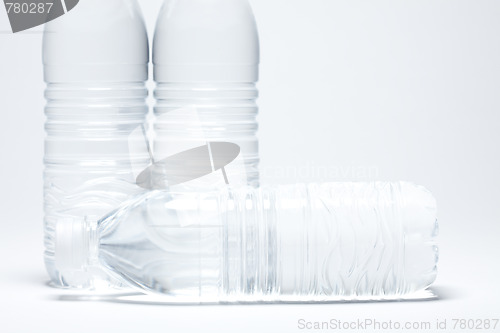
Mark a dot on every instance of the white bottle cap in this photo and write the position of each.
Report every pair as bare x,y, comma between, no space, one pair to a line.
97,41
76,244
206,41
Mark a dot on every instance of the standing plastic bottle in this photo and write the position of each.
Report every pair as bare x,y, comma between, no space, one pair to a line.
206,64
96,64
290,243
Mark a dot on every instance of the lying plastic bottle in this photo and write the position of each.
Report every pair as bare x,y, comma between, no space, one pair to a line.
308,243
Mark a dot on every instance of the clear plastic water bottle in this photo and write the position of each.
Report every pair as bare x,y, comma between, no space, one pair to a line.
96,64
291,243
206,64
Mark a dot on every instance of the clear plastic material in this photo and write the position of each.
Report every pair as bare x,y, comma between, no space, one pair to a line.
96,64
206,57
337,241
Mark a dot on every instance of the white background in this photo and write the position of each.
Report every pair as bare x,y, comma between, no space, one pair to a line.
350,90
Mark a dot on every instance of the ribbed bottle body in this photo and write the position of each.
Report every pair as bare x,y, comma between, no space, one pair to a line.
191,114
91,157
291,243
